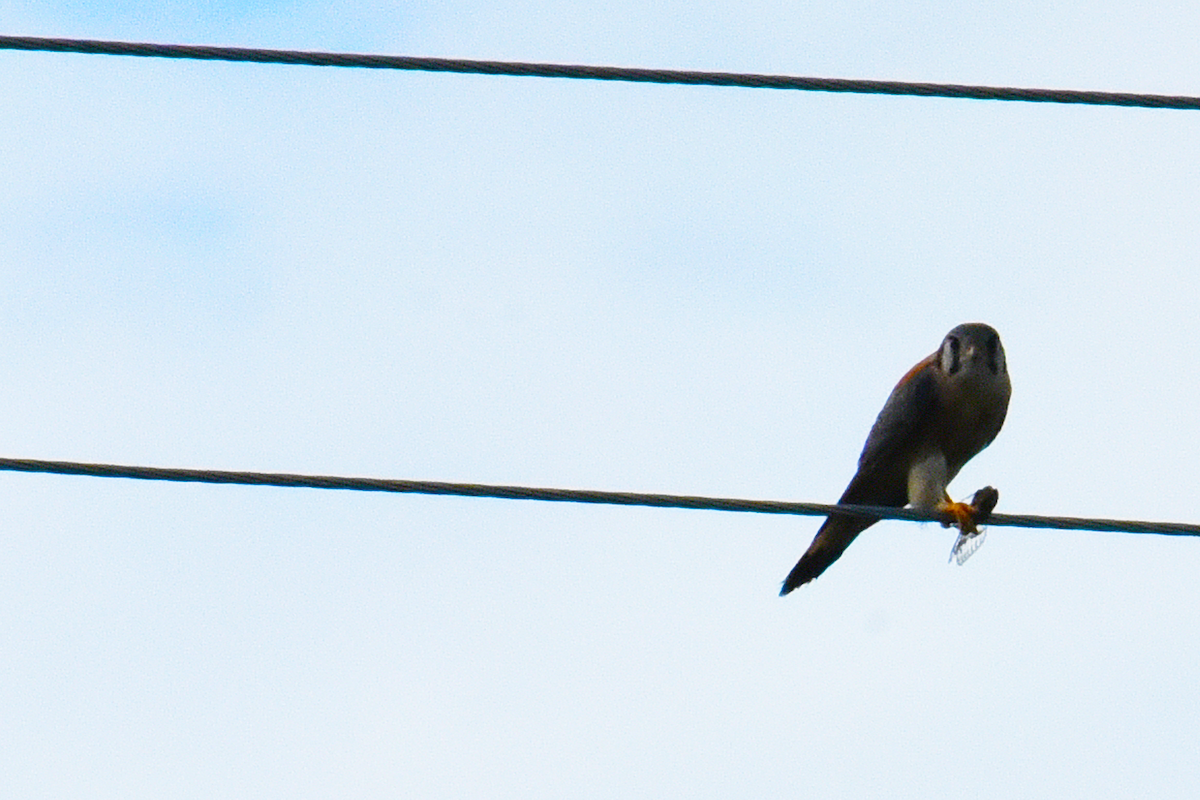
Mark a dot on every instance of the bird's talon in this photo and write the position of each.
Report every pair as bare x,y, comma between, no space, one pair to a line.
965,517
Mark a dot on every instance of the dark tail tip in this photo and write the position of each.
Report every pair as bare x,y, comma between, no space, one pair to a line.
831,541
801,574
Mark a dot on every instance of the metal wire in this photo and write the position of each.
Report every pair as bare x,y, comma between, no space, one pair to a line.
575,496
693,78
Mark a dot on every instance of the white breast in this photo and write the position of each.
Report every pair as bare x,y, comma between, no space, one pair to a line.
927,481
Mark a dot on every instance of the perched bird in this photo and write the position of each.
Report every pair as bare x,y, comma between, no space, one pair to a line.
945,410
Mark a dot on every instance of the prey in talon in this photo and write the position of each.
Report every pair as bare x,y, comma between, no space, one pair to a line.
971,536
943,412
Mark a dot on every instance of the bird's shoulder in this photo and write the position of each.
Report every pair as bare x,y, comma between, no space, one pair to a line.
906,410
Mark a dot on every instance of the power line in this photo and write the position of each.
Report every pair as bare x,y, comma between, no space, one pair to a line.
575,496
637,75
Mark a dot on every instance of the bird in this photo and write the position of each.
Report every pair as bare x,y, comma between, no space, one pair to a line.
942,413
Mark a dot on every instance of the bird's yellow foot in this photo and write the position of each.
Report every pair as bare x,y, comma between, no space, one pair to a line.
967,516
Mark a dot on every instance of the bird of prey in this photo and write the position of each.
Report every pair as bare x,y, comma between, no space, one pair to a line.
942,412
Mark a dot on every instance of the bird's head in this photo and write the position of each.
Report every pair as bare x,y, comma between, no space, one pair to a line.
972,353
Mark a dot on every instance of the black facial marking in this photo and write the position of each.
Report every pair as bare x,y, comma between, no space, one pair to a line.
993,353
952,341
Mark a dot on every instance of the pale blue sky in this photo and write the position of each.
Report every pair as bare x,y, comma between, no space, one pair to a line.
644,288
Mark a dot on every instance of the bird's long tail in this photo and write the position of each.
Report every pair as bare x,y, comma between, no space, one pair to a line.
831,541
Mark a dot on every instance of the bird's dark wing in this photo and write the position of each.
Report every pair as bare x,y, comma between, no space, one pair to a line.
882,477
905,414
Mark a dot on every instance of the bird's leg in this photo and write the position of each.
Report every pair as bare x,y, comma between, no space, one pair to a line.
967,516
